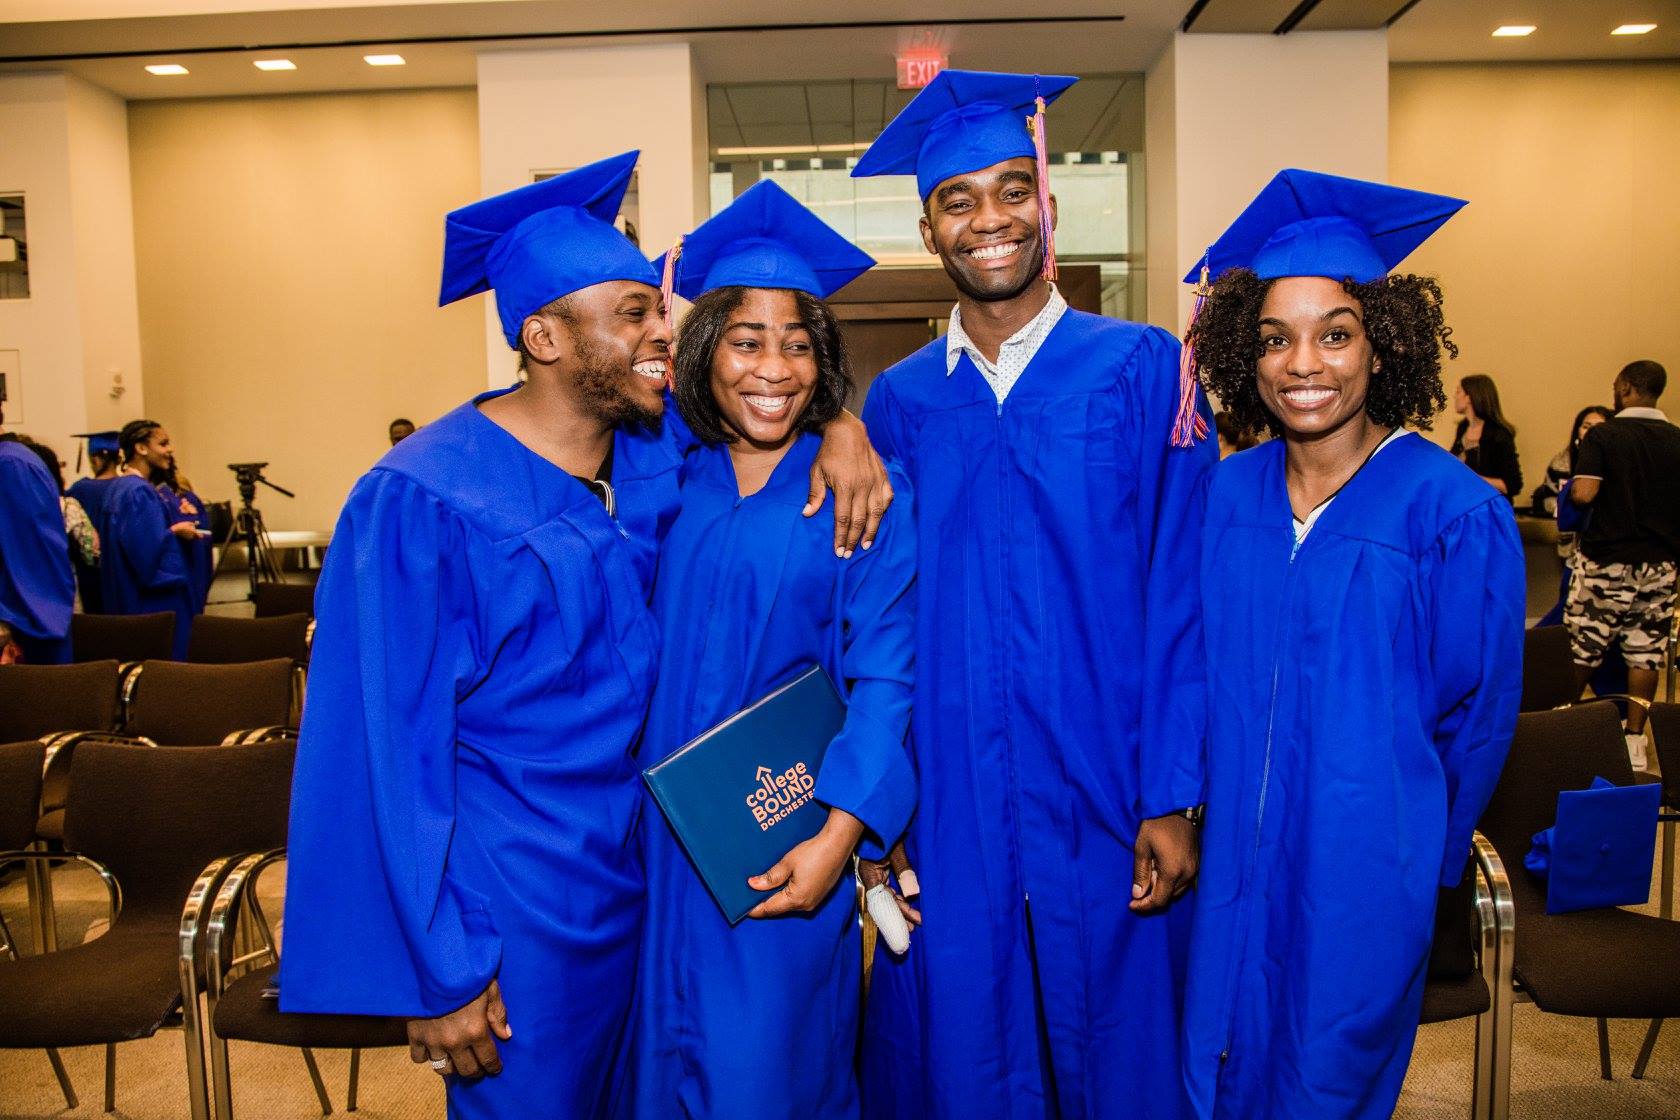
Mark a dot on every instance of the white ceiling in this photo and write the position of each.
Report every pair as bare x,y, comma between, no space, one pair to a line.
441,38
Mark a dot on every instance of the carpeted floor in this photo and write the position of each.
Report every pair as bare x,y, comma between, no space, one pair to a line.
1554,1062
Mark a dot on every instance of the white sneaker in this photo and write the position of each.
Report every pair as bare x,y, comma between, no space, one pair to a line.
1636,745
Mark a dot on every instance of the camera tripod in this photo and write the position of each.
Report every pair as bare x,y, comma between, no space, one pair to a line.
248,525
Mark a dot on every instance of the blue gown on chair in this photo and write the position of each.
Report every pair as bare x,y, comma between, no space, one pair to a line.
37,580
761,1019
141,568
466,796
1364,691
1059,701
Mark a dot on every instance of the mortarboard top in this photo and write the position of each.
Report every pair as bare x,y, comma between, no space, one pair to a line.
1600,850
539,242
962,121
766,238
1306,223
100,443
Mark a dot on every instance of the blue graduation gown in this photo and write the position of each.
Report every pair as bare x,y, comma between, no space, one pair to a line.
1364,695
1059,700
140,565
750,594
90,492
466,796
37,582
197,556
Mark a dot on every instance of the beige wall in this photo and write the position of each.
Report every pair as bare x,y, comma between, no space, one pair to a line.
288,252
1566,264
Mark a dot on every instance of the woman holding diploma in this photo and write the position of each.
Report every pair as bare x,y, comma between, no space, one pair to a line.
760,1019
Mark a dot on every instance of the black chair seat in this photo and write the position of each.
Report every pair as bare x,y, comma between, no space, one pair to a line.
1444,1000
1627,981
139,989
244,1014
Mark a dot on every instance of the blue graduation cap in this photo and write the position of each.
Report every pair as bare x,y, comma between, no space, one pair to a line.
962,121
98,443
1600,850
1306,223
764,239
539,242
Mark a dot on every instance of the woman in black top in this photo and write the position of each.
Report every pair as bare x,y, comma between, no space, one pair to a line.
1485,440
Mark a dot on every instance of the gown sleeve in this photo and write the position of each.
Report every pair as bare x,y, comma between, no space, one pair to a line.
1479,609
867,770
34,553
397,646
1172,498
882,419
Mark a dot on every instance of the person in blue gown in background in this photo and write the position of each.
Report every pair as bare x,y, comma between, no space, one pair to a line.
1059,695
1363,599
105,460
197,551
141,566
462,848
749,595
37,582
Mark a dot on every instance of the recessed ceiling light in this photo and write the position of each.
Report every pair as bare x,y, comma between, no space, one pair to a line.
384,60
274,64
166,69
1635,29
1513,31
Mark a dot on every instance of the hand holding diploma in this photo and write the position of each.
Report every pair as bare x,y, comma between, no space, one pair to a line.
809,871
873,873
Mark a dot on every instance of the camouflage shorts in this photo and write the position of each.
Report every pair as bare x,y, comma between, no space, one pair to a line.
1632,602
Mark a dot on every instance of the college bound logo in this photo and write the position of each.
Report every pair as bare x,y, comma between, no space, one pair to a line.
776,796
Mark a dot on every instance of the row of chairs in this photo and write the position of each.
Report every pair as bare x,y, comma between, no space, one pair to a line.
215,639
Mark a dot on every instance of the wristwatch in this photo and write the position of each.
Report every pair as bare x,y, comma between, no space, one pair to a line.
1194,815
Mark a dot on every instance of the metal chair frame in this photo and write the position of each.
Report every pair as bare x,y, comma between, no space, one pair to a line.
113,890
1497,920
225,961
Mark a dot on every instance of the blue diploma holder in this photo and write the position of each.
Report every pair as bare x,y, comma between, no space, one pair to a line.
742,794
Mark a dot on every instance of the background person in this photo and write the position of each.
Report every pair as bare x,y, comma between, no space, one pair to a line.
1558,472
37,583
141,568
82,537
749,595
1485,441
400,429
1363,600
1628,473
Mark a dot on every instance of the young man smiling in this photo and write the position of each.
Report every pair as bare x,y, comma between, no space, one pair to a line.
1059,696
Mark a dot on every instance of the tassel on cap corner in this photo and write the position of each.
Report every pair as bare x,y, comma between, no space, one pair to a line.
1189,426
1047,227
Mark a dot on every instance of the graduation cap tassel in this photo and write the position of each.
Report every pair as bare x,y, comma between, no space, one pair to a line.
1188,425
1047,226
668,297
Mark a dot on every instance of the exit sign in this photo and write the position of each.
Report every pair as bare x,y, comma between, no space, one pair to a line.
916,71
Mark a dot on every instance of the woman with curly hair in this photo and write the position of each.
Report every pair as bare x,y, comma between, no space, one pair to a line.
1363,604
749,595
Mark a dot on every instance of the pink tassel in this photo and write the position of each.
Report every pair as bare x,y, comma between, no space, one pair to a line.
668,297
1189,426
1035,124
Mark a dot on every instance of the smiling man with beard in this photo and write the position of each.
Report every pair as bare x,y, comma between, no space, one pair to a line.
1059,696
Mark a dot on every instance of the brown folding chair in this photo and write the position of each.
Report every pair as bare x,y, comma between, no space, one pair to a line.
1470,973
1548,670
20,792
225,640
284,598
161,826
38,700
1592,963
122,637
173,702
237,1007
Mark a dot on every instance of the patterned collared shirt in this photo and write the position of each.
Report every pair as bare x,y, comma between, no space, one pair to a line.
1015,352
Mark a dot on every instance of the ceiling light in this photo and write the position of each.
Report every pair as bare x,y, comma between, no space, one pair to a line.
166,69
274,64
384,60
1513,31
1635,29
